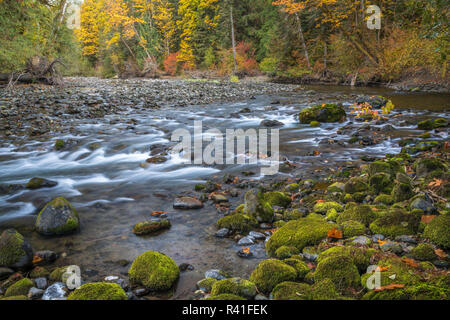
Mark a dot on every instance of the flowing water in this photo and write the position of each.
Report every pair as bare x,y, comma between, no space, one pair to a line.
112,192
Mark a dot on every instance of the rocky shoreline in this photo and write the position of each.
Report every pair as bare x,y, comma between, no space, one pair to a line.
325,235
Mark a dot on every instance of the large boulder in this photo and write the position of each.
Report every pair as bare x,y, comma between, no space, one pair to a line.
237,286
58,217
340,269
322,113
98,291
271,272
438,231
154,270
258,207
395,222
20,288
15,251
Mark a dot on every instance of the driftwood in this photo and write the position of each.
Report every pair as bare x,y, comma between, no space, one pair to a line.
37,70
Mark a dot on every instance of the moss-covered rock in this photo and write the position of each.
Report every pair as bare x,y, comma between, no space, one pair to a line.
402,192
299,233
206,284
356,184
276,198
384,199
299,265
60,144
423,252
39,272
154,270
225,297
336,187
37,183
58,217
238,222
323,207
360,256
293,214
361,213
149,227
322,113
59,274
15,251
340,269
395,222
425,166
351,228
271,272
314,124
325,290
285,252
431,124
381,183
98,291
20,288
256,206
289,290
13,298
438,231
332,215
237,286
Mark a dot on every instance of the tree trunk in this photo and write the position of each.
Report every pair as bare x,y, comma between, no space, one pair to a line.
361,48
302,39
233,41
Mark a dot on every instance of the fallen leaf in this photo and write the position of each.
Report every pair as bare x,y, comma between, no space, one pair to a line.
245,249
410,262
37,259
335,233
440,253
157,213
427,219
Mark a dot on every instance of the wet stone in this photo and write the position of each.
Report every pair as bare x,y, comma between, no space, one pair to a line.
41,283
216,274
246,241
56,291
222,233
187,203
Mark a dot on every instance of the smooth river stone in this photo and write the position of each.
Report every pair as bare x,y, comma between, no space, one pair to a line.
187,203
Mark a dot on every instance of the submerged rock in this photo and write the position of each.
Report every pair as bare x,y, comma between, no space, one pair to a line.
37,183
57,218
187,203
149,227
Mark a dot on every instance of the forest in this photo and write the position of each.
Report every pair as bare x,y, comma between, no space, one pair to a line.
312,39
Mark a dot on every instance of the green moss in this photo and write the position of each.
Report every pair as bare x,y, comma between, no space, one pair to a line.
390,167
292,291
416,292
206,284
58,274
225,297
359,196
98,291
314,124
332,215
285,252
359,256
276,198
323,207
381,183
293,214
348,198
322,113
431,124
22,297
336,187
236,286
199,187
351,228
299,233
438,231
300,266
256,205
19,288
35,183
60,144
423,252
149,227
72,223
340,269
384,199
361,213
237,222
424,166
39,272
355,184
271,272
395,222
325,290
13,249
402,192
154,270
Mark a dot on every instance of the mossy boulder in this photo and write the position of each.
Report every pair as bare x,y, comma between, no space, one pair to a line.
225,297
289,290
423,252
299,265
22,297
355,184
98,291
384,199
351,228
361,213
340,269
416,292
438,231
276,198
402,192
285,252
58,217
256,206
59,274
206,284
431,124
395,222
390,167
425,166
332,215
20,288
323,207
381,183
237,286
271,272
314,124
60,144
322,113
238,222
154,270
15,250
325,290
39,272
336,187
299,234
360,256
149,227
37,183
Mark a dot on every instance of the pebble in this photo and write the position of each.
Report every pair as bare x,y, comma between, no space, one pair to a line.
406,238
216,274
186,267
222,233
246,241
392,246
141,292
244,253
111,278
256,235
47,256
310,257
41,283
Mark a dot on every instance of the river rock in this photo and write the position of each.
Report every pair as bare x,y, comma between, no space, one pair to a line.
47,256
246,241
422,204
222,233
216,274
56,291
271,123
37,183
57,218
15,250
187,203
256,235
149,227
35,293
41,283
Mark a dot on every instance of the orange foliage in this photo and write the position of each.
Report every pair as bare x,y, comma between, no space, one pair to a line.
171,63
335,233
392,286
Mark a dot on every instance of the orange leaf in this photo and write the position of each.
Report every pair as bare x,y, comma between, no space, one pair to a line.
381,242
410,262
427,219
245,249
37,259
392,286
440,253
157,213
335,233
